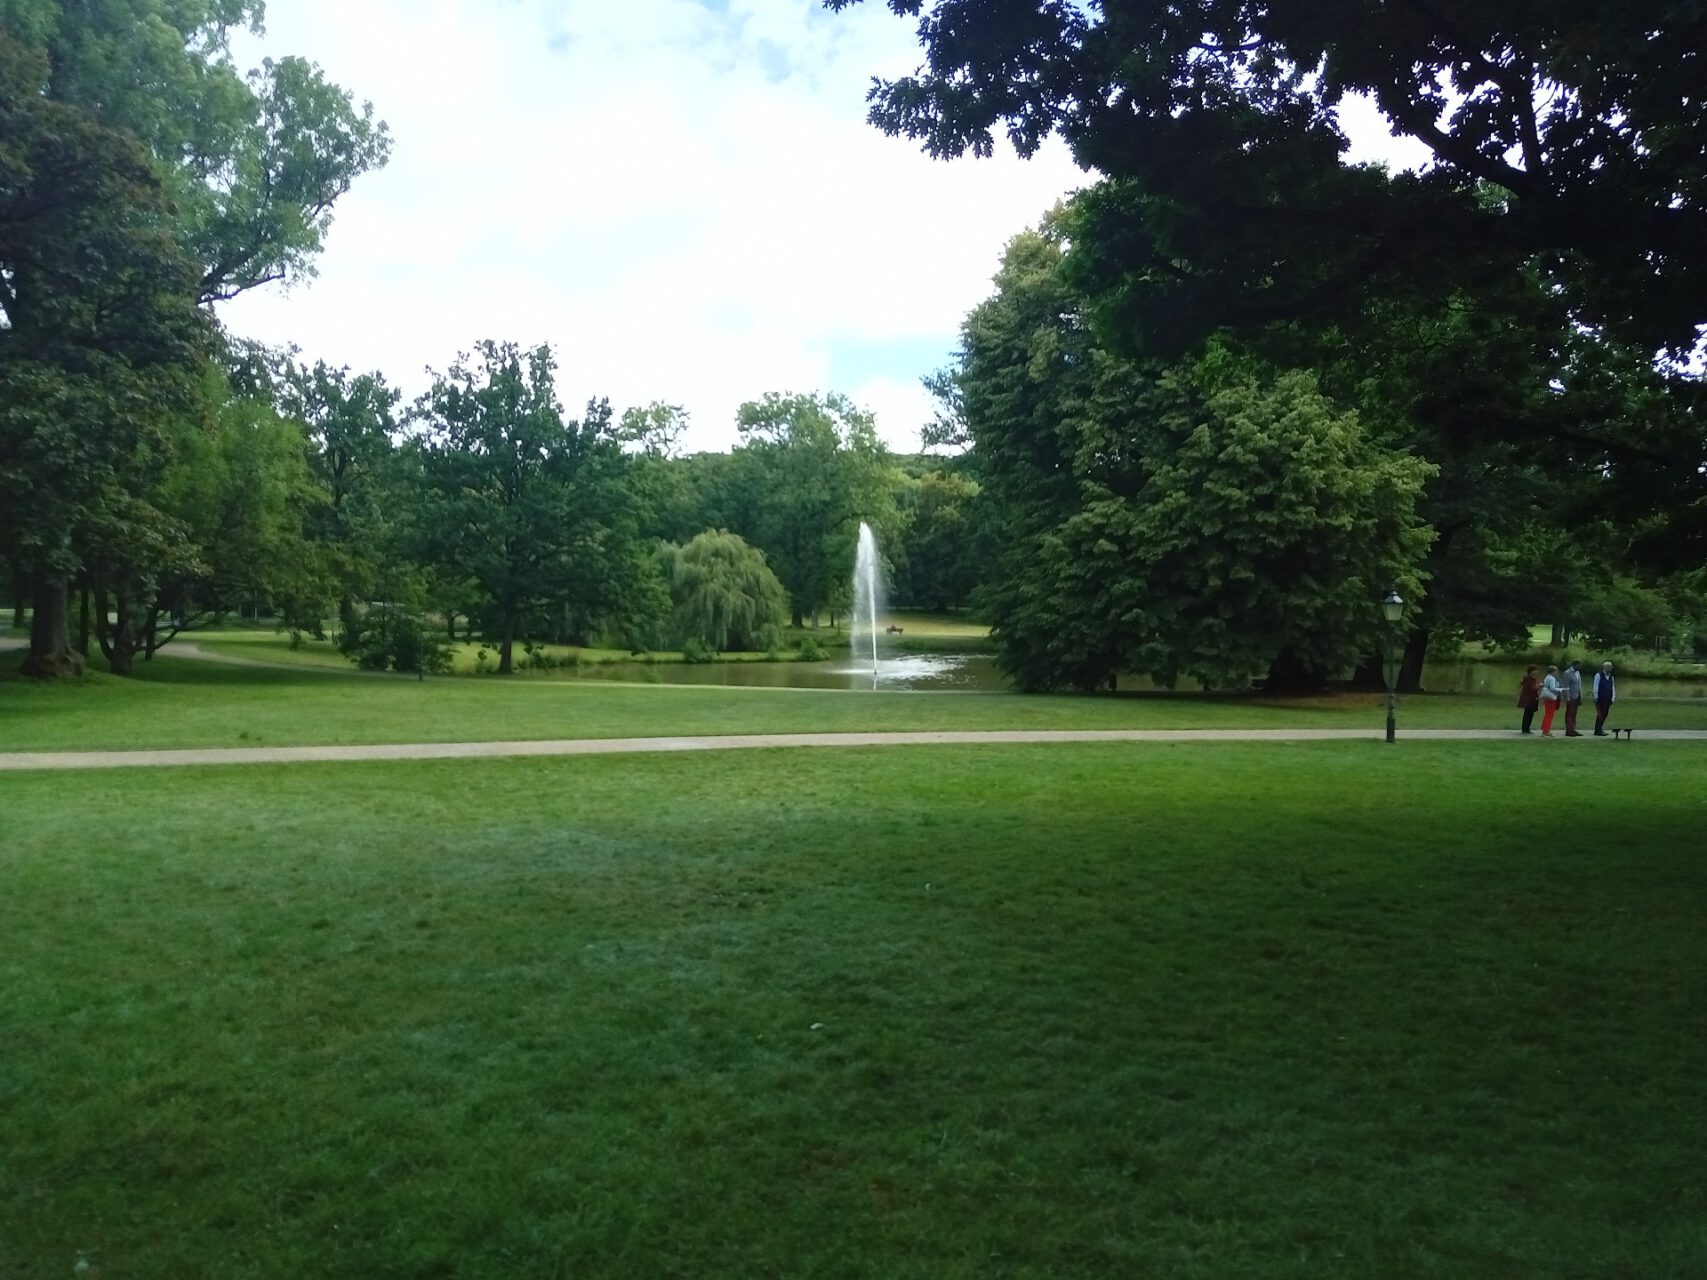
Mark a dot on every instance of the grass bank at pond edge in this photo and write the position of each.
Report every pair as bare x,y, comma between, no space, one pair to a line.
178,702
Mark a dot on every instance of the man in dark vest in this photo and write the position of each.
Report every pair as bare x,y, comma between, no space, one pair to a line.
1605,694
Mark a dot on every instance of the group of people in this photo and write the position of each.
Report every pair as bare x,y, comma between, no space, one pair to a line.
1549,691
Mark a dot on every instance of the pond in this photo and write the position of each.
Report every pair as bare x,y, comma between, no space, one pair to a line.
977,673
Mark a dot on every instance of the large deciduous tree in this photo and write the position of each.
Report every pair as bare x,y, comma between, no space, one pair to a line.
534,509
936,565
214,520
128,122
1583,118
817,469
351,420
99,334
1214,519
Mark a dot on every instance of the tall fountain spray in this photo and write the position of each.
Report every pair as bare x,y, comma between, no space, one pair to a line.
866,584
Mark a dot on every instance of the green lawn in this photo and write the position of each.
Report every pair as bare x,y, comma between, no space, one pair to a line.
265,645
176,702
1322,1010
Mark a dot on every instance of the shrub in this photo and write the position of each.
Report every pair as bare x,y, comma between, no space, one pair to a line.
695,650
394,640
537,658
812,651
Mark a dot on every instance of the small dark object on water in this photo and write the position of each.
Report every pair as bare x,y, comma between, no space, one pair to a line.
894,630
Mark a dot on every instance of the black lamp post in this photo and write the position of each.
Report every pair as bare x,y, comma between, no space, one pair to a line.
1392,608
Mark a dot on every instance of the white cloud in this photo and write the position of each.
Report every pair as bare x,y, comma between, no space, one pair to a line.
687,203
684,199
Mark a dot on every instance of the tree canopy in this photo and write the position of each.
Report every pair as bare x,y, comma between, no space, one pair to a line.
530,506
1217,519
723,593
817,469
1571,134
141,173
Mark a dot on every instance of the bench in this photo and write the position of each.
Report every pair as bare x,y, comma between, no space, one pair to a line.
1625,732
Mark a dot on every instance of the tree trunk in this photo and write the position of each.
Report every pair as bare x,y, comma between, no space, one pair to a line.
1559,636
83,621
796,617
50,656
20,589
1288,673
150,641
507,646
450,625
1369,675
1411,662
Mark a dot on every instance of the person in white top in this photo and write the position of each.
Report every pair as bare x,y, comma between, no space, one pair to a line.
1550,691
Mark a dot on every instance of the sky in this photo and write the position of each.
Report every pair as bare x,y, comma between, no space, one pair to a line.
683,197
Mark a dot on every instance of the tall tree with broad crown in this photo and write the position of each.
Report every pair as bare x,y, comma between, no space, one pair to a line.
235,176
535,510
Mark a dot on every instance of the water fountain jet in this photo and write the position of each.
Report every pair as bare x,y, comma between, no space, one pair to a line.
867,578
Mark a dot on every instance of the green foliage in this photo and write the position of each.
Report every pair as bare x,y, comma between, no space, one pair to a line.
140,173
937,560
811,650
350,421
253,163
1213,520
394,639
99,339
533,510
653,430
696,650
723,594
816,469
1622,612
1502,308
1567,135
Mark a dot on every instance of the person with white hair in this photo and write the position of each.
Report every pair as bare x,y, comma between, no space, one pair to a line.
1605,694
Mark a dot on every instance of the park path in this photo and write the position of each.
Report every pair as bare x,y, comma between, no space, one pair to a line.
12,761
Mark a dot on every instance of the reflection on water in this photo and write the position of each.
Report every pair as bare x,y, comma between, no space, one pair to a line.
974,673
977,673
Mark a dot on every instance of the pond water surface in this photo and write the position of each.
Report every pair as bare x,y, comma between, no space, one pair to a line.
977,673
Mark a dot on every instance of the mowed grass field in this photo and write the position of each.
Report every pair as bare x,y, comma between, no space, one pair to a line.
181,702
1313,1010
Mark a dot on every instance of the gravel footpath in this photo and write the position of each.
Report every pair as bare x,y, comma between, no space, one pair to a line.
32,760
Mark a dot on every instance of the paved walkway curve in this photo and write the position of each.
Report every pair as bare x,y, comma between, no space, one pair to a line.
34,760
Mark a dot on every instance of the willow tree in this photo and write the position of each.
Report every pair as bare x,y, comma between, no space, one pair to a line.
724,595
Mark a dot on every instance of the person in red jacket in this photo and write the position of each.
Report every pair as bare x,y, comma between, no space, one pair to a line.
1528,694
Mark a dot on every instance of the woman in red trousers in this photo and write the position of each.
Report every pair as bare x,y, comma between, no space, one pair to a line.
1551,691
